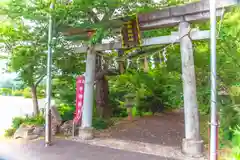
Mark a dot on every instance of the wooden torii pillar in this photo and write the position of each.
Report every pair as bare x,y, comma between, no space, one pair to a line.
192,143
86,130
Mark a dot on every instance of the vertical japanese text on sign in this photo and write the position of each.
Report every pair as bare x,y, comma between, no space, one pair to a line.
131,34
79,98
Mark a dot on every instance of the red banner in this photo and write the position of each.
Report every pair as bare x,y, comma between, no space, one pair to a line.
79,98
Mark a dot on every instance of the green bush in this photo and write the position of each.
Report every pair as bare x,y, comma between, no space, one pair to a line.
5,91
203,96
17,121
9,132
99,123
41,91
27,93
150,89
230,118
35,120
17,93
66,111
236,144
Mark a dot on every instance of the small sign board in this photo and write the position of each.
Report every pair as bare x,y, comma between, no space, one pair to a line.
130,33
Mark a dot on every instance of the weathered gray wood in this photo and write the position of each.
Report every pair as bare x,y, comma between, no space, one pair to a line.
86,126
187,9
192,143
173,21
174,38
189,84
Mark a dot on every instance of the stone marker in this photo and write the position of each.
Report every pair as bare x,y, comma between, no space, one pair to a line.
25,132
56,120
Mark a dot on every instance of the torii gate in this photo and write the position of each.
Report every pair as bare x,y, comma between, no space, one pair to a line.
182,16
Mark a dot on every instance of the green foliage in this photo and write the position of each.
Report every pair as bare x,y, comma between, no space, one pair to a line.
99,123
27,93
153,88
35,120
5,91
66,111
9,132
235,94
17,93
230,118
236,144
16,122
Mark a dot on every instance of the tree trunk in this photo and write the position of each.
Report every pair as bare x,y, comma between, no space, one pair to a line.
103,109
35,100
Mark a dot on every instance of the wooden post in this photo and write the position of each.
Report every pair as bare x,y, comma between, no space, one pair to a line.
146,67
192,143
86,131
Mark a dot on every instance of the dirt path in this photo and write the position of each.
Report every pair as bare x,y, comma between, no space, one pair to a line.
159,135
166,129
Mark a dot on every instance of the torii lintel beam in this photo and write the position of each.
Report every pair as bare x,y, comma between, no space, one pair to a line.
162,40
191,8
197,11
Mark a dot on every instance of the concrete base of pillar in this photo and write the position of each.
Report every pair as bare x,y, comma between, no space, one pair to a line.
86,133
193,148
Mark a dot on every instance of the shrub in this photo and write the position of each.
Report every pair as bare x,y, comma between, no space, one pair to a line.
230,118
35,120
17,93
16,122
99,123
66,111
27,93
236,144
5,91
157,86
41,91
9,132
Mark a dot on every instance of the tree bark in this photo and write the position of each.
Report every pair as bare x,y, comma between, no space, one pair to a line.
103,109
35,100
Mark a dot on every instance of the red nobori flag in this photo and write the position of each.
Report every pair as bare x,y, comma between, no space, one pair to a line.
79,98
